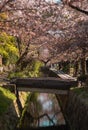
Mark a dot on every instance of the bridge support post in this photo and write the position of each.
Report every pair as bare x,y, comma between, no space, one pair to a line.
62,99
18,101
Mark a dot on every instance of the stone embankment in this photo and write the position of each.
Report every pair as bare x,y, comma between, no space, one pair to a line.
77,109
9,119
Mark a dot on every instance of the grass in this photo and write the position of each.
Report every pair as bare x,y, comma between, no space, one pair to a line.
82,93
6,98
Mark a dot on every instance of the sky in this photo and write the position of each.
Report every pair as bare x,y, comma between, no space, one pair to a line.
53,1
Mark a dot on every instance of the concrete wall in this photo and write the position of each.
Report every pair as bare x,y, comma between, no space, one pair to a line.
77,110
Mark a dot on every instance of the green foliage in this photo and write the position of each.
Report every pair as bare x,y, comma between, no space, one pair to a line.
78,90
6,98
32,97
3,16
17,74
8,48
66,68
32,107
82,93
34,69
82,78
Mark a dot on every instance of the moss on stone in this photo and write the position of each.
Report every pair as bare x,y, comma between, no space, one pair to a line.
6,98
82,94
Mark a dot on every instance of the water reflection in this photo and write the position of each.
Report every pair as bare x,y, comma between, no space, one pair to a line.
45,110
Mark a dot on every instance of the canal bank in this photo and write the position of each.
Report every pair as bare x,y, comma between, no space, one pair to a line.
77,109
41,110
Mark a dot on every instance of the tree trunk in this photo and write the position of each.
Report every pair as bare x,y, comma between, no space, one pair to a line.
83,66
24,54
76,68
83,62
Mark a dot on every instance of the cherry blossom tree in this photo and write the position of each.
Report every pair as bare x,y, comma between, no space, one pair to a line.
79,5
42,24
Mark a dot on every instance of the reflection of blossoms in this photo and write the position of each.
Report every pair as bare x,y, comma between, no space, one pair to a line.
47,105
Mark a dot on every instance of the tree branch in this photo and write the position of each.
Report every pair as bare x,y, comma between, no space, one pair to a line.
4,4
78,9
24,54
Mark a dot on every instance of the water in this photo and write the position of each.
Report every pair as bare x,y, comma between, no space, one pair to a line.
46,107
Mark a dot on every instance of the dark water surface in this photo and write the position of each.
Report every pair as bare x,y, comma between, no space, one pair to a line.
49,110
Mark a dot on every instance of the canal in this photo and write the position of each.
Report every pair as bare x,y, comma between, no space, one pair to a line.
42,110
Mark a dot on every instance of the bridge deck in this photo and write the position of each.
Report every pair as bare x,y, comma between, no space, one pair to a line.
43,84
63,75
